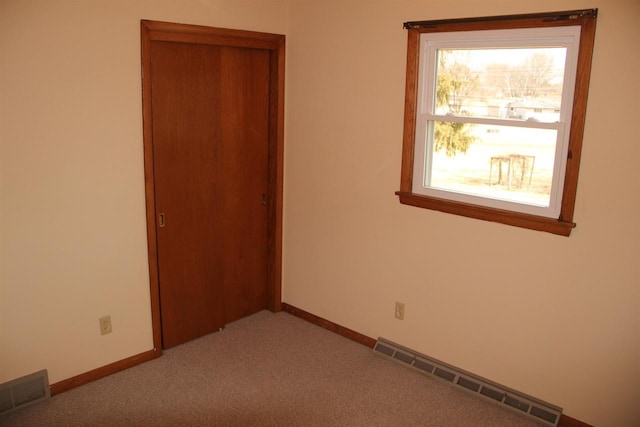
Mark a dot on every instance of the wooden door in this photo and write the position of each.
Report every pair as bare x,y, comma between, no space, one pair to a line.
211,133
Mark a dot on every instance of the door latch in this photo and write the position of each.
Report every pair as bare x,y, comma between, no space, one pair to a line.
161,220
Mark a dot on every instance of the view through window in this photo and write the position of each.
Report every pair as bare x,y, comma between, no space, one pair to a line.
493,121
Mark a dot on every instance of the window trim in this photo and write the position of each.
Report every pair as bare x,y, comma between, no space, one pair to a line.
562,225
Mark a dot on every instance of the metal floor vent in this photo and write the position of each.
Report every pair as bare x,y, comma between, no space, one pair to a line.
511,399
24,391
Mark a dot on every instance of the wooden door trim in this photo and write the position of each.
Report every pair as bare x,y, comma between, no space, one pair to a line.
184,33
168,31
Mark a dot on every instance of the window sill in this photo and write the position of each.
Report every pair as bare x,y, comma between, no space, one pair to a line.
532,222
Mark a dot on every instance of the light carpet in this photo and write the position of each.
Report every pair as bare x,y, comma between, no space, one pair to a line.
269,369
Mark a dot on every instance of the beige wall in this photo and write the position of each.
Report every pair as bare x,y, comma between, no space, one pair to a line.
73,213
555,317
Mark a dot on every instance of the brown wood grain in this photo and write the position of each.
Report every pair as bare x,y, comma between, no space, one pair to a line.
578,116
149,186
188,153
410,109
231,234
327,324
516,219
566,421
103,371
276,177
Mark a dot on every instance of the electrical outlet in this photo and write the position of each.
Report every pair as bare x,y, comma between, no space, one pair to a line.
399,310
105,325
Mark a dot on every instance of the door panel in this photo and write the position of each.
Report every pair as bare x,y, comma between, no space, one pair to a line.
245,118
210,107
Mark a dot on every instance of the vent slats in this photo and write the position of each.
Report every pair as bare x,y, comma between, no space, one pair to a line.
510,399
384,349
28,391
446,375
515,403
403,357
23,391
468,384
423,366
493,394
6,403
542,414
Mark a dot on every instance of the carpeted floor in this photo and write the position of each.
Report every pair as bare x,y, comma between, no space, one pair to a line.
267,370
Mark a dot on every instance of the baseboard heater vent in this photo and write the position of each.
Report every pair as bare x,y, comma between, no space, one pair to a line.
511,399
24,391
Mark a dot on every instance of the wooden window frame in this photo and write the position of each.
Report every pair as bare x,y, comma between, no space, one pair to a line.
562,225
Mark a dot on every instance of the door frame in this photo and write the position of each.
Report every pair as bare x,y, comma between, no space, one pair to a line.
275,43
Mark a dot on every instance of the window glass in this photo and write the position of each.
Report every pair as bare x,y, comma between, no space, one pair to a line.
492,127
516,84
500,164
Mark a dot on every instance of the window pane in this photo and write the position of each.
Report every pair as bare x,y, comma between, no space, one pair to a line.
507,83
500,162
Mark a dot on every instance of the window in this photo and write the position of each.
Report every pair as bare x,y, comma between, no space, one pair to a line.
494,116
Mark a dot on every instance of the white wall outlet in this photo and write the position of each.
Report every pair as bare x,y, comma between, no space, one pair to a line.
399,310
105,325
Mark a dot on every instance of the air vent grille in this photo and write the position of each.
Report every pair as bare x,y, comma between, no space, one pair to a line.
511,399
24,391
